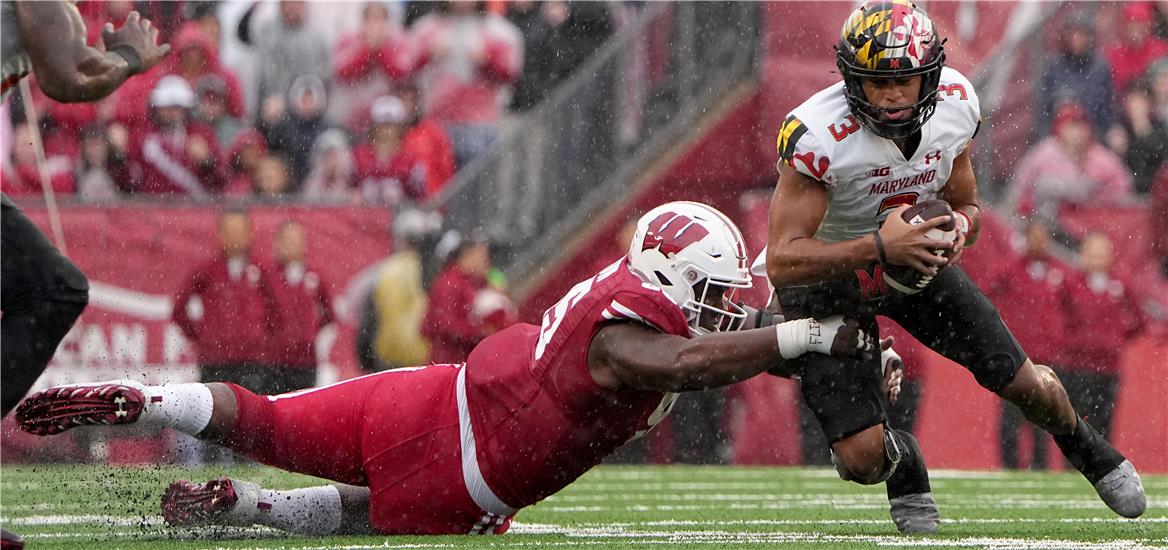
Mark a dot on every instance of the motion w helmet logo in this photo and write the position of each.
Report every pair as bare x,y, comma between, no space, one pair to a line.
671,232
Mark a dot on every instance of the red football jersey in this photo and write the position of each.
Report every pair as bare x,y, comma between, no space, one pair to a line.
539,420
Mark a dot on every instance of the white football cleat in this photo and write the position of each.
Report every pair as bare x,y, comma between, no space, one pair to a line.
1122,491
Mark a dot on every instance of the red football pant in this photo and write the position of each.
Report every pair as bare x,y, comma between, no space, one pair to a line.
395,432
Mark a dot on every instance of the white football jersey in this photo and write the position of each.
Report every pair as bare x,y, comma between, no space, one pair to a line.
867,176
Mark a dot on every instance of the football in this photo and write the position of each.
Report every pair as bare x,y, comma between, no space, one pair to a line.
905,279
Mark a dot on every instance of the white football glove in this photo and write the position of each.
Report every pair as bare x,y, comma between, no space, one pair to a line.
893,373
831,336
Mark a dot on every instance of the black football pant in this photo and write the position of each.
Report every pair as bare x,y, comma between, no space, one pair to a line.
41,294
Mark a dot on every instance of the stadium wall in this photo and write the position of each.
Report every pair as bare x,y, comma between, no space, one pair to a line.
138,257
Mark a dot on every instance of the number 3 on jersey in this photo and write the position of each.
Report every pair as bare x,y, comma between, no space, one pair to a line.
951,89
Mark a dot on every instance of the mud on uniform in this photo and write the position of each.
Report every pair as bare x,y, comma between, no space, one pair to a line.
866,177
461,448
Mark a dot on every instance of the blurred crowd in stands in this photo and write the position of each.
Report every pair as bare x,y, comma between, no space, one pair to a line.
377,102
1100,119
1099,144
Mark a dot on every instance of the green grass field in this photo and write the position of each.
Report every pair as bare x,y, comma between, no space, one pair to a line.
620,507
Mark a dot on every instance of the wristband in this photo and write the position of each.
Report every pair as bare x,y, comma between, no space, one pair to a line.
793,337
127,52
964,223
880,247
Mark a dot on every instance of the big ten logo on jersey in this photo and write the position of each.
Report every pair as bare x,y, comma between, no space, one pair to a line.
895,201
950,90
880,172
844,129
671,232
554,316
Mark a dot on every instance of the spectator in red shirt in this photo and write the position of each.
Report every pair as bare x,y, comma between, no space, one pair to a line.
385,172
1103,315
1070,168
1139,47
61,123
24,177
448,324
175,156
238,309
243,158
467,56
427,141
305,306
195,56
370,63
1030,296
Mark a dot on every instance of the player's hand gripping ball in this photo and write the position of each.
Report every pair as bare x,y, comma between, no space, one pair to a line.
904,278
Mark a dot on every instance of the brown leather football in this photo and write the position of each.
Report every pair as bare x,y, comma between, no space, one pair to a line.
906,279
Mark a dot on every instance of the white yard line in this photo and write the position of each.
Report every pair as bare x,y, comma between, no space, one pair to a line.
73,519
801,539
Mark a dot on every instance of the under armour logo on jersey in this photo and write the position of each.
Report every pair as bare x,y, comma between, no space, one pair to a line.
671,232
934,156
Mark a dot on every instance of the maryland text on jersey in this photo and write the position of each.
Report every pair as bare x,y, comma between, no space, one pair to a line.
865,174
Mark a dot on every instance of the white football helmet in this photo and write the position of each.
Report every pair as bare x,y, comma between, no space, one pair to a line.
691,250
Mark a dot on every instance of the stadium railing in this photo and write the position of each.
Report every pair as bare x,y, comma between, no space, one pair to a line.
584,145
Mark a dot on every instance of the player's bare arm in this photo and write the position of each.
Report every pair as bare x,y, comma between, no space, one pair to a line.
67,69
961,194
795,257
631,354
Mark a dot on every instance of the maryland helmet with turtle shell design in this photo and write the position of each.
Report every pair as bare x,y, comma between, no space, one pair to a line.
890,39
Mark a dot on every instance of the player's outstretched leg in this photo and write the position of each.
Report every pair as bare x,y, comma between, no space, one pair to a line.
313,511
185,407
1037,391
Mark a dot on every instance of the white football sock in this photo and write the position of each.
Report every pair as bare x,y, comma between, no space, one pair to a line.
183,407
310,511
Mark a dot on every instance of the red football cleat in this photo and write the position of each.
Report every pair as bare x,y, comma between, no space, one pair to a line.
58,409
189,504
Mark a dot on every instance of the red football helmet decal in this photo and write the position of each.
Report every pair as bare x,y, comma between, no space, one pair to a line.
671,232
